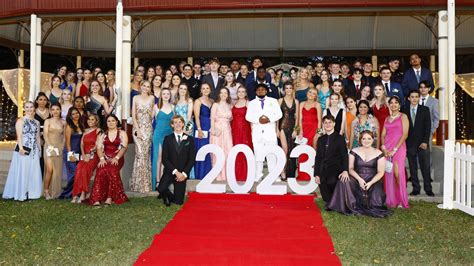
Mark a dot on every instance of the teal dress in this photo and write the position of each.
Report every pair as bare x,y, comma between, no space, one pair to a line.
301,95
182,110
322,98
162,129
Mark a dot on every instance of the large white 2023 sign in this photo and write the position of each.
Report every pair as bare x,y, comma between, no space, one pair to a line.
267,186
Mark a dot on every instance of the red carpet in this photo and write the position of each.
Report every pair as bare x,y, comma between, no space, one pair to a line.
230,229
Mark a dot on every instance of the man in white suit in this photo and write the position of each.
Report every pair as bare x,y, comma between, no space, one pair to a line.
263,113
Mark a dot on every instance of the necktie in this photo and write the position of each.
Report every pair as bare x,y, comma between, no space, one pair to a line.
387,88
413,115
418,75
262,102
179,139
357,87
423,101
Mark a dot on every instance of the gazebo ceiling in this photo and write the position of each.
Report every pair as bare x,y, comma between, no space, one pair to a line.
163,28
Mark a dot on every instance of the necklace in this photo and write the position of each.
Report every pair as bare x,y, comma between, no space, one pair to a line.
394,116
42,112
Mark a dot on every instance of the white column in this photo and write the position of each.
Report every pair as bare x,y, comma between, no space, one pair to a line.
443,63
452,69
21,58
38,55
118,57
126,65
33,32
78,61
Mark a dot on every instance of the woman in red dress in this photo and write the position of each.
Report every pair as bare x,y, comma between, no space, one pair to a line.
310,122
241,132
89,160
82,87
111,147
379,106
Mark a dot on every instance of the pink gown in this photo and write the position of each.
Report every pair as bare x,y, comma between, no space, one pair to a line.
396,193
221,115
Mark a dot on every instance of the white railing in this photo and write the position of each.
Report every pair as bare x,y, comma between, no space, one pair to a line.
458,160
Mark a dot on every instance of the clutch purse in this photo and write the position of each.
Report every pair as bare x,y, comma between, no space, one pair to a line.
51,151
27,150
205,133
301,140
388,166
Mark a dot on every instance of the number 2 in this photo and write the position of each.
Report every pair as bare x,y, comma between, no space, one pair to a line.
206,185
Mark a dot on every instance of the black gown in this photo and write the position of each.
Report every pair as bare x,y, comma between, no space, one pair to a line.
287,124
349,198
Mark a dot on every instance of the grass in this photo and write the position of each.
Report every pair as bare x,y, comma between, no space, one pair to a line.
58,232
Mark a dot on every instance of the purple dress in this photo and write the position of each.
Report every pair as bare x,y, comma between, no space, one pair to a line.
349,198
396,192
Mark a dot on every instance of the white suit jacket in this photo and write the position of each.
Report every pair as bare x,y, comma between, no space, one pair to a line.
271,109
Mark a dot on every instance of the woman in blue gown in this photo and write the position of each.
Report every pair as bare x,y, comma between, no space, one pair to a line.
184,108
163,114
72,149
202,116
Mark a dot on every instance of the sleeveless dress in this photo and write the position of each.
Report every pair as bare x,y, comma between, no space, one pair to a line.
24,180
56,138
301,95
83,90
310,126
349,198
357,128
338,118
241,134
71,167
182,110
222,115
322,98
41,122
162,129
396,193
349,118
108,183
84,170
52,98
96,108
141,174
203,167
381,114
287,124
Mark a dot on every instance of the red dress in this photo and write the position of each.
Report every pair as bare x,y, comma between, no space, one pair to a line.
83,90
241,134
85,169
107,183
310,126
381,114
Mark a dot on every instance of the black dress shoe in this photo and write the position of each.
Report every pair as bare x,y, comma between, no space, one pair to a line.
430,193
166,201
414,193
159,196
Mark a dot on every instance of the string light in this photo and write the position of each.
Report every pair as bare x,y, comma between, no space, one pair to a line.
8,115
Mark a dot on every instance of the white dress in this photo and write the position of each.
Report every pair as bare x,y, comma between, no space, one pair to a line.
24,179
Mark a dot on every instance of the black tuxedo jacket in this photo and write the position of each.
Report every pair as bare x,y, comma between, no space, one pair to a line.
214,87
350,88
331,161
421,131
193,87
180,157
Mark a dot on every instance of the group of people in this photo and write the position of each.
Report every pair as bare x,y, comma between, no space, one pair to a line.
381,120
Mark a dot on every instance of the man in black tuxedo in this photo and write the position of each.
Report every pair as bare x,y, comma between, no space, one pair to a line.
352,87
252,76
332,160
213,79
419,135
191,82
367,77
178,158
397,75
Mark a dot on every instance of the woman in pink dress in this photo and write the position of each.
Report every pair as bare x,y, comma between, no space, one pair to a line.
241,132
393,138
221,133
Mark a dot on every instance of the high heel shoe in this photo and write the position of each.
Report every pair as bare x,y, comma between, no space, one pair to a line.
47,196
74,200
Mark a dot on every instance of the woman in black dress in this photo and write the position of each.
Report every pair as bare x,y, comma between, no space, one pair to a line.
288,128
41,114
362,193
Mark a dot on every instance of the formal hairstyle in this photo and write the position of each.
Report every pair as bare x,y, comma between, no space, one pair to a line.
363,102
116,120
384,95
214,60
414,91
56,77
97,120
385,68
396,98
179,117
298,76
289,83
160,101
70,122
186,96
41,94
228,100
101,91
366,132
31,102
329,117
234,82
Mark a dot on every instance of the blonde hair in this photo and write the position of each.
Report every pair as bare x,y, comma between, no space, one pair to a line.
315,90
298,76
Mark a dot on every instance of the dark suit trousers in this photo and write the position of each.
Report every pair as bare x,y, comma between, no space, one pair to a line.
327,186
421,157
179,188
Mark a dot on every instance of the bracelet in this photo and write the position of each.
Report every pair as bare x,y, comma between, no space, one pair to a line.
116,157
102,158
199,128
395,149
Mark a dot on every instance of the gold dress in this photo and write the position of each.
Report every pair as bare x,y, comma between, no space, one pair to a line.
56,139
141,175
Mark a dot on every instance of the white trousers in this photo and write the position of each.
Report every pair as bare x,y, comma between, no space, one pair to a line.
260,148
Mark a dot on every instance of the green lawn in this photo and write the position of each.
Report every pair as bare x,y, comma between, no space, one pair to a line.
58,232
